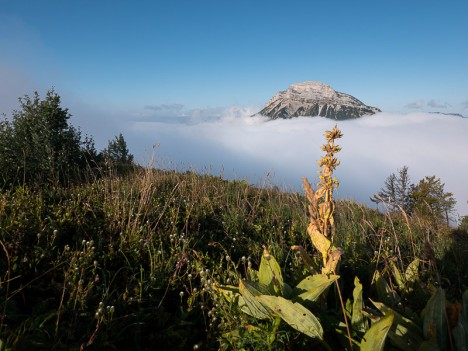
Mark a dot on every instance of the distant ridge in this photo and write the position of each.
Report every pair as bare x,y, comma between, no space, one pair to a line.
315,99
449,114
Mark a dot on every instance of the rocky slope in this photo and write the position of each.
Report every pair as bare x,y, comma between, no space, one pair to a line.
315,99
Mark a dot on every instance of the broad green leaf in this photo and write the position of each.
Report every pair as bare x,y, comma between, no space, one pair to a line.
398,276
404,333
269,274
388,296
434,317
247,302
357,318
311,287
296,315
411,273
374,339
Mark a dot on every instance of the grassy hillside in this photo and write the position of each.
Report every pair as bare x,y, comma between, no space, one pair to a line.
164,260
127,262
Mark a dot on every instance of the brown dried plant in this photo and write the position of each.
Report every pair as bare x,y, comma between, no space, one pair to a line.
321,206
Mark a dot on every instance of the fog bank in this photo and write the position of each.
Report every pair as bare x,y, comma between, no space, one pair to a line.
239,146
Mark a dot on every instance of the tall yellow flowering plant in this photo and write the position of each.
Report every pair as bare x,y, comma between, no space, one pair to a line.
321,206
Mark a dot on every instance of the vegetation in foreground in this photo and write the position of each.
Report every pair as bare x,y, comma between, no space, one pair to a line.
106,258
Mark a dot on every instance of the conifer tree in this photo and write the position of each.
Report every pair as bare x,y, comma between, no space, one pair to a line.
396,191
430,199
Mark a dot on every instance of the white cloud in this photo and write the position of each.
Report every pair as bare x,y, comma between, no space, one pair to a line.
164,109
373,147
435,104
415,104
180,114
465,104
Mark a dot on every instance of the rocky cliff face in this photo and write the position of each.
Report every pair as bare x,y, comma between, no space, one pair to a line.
315,99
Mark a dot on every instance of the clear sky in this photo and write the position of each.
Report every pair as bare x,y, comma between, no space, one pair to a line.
396,55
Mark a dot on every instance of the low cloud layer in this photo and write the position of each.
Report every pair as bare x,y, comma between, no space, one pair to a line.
433,104
239,146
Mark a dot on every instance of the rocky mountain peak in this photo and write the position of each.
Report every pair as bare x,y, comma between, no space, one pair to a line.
309,89
315,99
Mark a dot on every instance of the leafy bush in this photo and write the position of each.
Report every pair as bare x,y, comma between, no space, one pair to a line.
40,146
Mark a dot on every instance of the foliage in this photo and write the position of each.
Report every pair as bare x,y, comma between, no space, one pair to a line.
40,146
396,191
427,199
118,155
463,225
431,200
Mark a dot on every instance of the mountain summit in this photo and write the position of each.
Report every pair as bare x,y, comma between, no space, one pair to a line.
315,99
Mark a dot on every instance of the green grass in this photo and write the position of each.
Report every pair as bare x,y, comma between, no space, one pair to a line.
129,262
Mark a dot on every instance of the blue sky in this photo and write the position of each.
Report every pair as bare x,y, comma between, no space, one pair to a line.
187,75
129,54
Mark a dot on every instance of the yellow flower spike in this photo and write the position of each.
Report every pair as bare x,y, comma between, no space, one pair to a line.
321,205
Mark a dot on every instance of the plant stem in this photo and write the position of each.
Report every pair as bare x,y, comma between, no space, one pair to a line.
344,315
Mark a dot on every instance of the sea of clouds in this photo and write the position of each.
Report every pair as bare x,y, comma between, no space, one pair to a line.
233,144
230,143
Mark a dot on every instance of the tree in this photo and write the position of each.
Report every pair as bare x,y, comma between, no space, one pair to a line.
463,225
118,156
427,199
118,152
39,145
396,191
430,199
